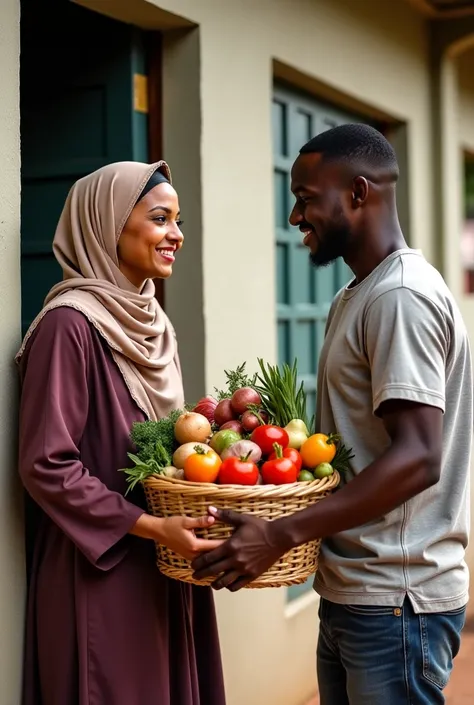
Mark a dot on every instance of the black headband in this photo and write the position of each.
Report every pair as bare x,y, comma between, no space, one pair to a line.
156,178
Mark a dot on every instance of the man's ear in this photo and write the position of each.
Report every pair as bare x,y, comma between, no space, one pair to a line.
360,191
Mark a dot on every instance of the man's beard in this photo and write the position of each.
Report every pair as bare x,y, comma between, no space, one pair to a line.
333,244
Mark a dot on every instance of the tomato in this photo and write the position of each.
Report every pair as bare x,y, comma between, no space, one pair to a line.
265,436
202,466
318,449
280,470
238,471
293,455
323,470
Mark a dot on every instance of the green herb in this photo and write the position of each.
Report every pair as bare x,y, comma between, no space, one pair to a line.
343,456
146,434
282,398
236,379
153,465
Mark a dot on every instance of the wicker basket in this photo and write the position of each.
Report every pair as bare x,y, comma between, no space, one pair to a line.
169,497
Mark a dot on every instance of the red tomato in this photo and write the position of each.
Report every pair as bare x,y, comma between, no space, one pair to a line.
236,471
293,455
265,436
280,471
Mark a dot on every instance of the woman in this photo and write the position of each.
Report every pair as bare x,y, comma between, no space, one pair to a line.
104,627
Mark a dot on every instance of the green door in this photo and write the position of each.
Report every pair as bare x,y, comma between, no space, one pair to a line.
77,114
304,293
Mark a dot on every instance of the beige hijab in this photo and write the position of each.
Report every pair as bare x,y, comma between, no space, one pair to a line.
140,336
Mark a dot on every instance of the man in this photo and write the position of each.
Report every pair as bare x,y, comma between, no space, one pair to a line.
395,381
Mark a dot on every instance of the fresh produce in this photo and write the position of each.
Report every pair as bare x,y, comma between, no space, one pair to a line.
224,412
202,466
282,398
254,431
319,448
191,426
233,425
280,471
297,432
206,406
173,472
243,448
242,398
157,464
323,470
235,379
182,453
146,434
238,471
249,421
223,439
265,436
305,476
292,454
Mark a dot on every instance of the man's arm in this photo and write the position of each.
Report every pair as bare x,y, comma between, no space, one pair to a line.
410,465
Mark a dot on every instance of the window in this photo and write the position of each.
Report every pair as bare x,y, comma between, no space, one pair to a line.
304,294
467,235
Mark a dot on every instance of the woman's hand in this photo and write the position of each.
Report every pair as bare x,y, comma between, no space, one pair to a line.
177,533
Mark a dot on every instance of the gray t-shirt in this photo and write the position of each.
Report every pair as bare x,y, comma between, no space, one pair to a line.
399,335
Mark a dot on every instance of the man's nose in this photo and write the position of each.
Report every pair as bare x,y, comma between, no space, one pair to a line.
295,217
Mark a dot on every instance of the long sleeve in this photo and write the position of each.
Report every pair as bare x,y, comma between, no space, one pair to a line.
53,413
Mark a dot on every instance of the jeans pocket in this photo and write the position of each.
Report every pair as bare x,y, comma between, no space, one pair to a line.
370,610
440,641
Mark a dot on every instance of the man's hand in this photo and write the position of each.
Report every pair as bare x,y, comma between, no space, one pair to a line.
252,550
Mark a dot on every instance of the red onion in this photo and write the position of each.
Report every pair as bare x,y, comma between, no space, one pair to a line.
233,425
250,421
206,407
223,412
242,398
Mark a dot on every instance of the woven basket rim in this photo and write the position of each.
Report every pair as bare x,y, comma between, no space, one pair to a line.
299,489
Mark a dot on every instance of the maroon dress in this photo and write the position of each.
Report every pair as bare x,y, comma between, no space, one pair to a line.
104,627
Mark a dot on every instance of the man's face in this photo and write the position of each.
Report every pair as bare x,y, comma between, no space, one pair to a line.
319,209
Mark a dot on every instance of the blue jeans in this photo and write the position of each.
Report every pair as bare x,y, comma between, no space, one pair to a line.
385,655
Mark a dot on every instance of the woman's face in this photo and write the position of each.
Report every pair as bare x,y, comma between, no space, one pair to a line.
151,236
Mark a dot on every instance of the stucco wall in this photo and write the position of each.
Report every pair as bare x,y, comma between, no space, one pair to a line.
11,531
465,64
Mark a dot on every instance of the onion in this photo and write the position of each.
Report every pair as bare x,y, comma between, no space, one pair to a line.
250,421
182,453
241,449
171,471
223,412
242,398
206,407
233,425
192,427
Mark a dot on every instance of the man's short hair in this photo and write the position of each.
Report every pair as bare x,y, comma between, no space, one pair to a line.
355,143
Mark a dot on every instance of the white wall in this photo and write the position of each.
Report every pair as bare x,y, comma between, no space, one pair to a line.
11,531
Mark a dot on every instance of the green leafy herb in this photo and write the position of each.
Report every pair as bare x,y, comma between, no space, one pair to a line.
236,379
153,465
282,398
146,434
342,459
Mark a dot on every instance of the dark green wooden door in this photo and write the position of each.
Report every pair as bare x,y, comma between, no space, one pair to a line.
77,114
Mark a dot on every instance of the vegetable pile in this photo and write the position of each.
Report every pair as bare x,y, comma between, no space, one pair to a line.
253,432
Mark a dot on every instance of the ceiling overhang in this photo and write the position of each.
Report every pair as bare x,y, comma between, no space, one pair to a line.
445,9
